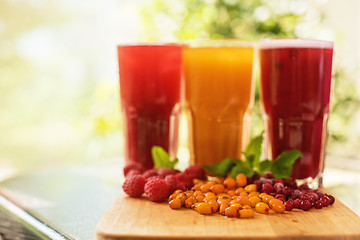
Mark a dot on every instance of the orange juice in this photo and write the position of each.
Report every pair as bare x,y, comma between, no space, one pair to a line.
219,96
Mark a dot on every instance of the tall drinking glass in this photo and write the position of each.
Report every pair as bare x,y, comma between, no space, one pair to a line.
150,78
219,96
295,92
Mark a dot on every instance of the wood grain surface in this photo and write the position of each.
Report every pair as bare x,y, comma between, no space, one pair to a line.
131,218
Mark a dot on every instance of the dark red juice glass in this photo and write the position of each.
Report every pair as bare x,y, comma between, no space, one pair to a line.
150,77
295,92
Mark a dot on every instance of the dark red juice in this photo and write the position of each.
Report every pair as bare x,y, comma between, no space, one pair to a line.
150,95
295,91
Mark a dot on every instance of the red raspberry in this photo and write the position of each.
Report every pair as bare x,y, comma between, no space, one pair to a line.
150,173
133,172
171,180
163,172
195,172
182,177
157,190
152,178
134,186
133,166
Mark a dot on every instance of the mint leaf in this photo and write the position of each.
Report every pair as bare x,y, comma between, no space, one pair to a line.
162,158
222,168
242,167
264,166
282,166
254,149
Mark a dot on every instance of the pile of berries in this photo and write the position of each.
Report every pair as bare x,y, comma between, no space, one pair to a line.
236,198
292,195
158,184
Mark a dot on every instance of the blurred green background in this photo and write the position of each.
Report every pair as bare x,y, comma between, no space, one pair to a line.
59,102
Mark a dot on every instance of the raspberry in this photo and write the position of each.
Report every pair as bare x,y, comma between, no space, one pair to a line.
157,190
195,172
150,173
267,188
171,180
133,166
152,178
134,186
163,172
182,177
133,172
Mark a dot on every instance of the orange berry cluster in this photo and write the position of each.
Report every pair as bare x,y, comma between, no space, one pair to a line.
230,197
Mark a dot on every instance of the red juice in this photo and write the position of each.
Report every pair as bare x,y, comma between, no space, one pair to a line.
295,91
150,78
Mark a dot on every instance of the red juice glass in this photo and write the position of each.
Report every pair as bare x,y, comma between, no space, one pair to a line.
150,79
295,92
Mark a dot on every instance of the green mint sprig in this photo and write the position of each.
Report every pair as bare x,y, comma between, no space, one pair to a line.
281,167
162,158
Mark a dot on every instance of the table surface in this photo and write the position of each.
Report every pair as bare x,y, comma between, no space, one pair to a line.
72,200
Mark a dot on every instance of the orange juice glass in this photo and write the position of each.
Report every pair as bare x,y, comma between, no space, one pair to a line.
218,96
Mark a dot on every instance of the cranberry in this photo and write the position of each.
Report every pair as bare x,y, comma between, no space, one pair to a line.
278,187
304,186
319,204
281,197
305,205
289,205
291,183
268,175
331,198
267,188
319,193
297,193
296,203
272,194
287,191
280,181
313,196
292,197
325,200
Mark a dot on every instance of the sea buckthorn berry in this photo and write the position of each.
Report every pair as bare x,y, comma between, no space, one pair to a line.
190,201
226,200
244,200
200,198
238,206
261,195
217,188
222,208
175,203
233,201
262,207
222,195
196,187
182,197
210,194
239,190
278,207
178,191
189,193
204,208
243,193
246,207
241,180
197,181
207,199
252,194
197,193
267,198
231,193
254,200
194,206
274,200
246,213
251,188
214,205
229,183
205,187
231,211
219,180
172,196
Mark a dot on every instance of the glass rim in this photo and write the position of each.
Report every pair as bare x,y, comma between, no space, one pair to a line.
272,43
149,44
217,43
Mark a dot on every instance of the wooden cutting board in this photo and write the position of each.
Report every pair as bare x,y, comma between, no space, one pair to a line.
131,218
